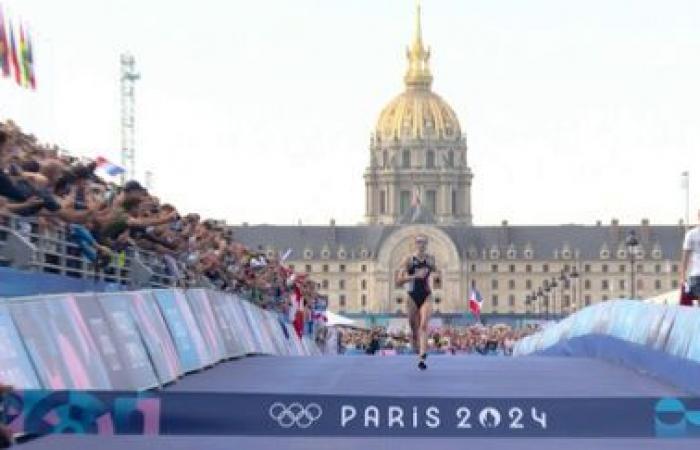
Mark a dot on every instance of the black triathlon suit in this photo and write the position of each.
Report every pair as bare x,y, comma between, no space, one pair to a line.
419,289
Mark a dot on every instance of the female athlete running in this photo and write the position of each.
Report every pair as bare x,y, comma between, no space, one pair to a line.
415,272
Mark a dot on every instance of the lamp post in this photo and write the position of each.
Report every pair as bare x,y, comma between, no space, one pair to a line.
574,277
528,302
546,288
540,297
632,244
562,283
534,298
554,285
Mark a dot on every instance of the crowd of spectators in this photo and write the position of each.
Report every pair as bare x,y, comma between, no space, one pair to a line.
44,185
477,339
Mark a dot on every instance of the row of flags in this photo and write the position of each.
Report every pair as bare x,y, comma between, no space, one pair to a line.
16,55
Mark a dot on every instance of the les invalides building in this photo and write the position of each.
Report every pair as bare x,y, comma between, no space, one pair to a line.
418,181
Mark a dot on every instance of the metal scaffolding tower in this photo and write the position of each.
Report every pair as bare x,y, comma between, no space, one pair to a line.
128,84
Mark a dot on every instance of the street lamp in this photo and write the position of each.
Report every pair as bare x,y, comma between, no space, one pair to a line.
540,296
553,285
534,298
547,288
562,283
528,301
574,277
632,244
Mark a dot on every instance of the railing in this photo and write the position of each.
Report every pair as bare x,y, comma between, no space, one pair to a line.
24,246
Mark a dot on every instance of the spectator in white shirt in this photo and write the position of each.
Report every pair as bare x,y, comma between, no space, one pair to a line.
690,263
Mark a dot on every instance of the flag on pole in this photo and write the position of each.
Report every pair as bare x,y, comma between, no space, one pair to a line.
111,168
13,56
475,302
4,47
30,62
24,64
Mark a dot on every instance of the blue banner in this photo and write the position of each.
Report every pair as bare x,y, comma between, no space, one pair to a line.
212,414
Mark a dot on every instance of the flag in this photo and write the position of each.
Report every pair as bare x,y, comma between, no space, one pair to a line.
30,62
296,307
4,48
285,255
475,302
13,56
297,311
111,168
685,179
23,63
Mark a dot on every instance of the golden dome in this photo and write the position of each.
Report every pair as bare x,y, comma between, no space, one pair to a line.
418,113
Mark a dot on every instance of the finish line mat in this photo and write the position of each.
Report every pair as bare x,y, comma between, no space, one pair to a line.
249,414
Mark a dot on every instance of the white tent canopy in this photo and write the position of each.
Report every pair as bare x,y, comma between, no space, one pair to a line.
335,319
667,298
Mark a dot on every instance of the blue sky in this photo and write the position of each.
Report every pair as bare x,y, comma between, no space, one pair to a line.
261,111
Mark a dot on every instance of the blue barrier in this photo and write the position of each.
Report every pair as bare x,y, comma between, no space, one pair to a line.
203,314
132,340
156,337
121,373
681,372
59,343
187,340
15,366
672,331
117,309
223,310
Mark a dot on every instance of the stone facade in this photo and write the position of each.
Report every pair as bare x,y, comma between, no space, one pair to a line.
355,265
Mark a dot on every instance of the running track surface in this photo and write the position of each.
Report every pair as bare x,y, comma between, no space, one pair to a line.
398,376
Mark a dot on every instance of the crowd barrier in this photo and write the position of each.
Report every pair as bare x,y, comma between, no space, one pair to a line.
133,341
647,336
672,329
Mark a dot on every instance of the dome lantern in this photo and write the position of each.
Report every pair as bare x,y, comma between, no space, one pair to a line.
418,74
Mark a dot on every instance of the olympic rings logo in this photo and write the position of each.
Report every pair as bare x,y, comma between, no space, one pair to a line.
295,414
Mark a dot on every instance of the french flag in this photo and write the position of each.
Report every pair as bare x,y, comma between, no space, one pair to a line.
475,301
111,168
